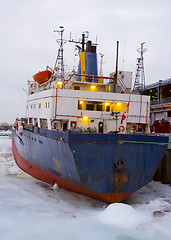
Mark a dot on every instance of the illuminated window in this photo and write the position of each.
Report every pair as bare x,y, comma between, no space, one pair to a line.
112,108
99,107
102,106
80,105
107,108
118,104
39,105
106,103
119,107
90,107
48,104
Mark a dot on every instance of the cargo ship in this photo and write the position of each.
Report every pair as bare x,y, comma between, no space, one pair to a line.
83,135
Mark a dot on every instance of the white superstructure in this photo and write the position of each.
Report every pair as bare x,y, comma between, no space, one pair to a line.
90,106
85,102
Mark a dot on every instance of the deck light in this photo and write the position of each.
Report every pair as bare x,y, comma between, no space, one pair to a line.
118,103
93,87
106,103
59,84
85,118
81,102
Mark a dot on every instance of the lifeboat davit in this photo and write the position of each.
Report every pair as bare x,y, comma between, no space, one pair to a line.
42,76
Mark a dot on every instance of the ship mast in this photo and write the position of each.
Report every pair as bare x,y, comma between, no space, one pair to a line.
140,76
116,70
59,64
101,64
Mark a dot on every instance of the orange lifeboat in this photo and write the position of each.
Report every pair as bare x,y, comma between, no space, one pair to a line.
42,76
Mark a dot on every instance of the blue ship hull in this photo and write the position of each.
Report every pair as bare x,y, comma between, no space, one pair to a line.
108,167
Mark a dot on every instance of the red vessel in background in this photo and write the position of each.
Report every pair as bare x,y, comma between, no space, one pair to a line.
162,126
42,76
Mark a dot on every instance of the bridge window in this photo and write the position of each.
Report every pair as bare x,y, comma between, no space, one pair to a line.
102,106
107,108
99,107
76,88
90,106
80,105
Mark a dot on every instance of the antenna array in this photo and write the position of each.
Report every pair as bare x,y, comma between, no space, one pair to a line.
59,64
139,83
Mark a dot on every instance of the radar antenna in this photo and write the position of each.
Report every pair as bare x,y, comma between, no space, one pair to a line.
139,83
82,42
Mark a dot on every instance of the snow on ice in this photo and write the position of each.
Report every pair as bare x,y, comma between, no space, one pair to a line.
31,210
123,216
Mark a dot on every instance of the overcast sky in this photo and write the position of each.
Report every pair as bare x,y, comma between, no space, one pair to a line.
28,43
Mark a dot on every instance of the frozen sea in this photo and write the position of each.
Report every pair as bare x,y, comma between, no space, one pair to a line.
31,210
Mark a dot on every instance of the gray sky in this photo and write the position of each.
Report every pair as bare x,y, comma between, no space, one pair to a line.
28,44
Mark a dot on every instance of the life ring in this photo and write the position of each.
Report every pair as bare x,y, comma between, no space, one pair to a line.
121,128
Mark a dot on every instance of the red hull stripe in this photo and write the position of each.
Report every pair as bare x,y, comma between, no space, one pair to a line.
50,178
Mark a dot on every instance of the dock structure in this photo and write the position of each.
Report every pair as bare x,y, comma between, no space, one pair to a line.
5,127
160,110
160,100
163,173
